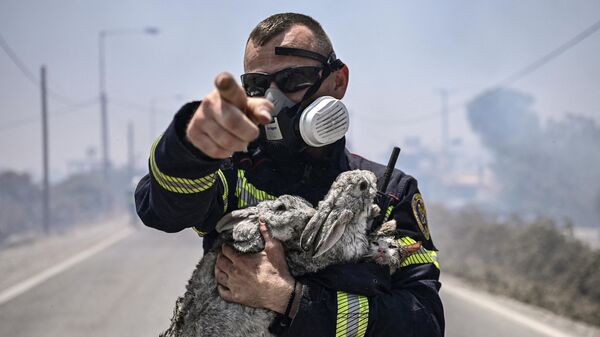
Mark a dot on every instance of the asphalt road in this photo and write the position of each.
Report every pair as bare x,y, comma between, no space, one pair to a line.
129,289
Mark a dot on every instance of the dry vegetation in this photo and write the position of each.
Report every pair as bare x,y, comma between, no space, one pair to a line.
77,199
537,262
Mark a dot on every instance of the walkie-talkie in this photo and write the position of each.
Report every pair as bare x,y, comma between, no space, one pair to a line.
382,199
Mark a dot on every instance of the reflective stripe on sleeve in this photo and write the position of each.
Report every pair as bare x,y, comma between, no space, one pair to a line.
422,256
352,315
179,185
199,232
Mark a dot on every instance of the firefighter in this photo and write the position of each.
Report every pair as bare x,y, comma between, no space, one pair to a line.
282,132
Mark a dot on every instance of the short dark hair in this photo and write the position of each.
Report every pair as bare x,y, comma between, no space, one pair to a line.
276,24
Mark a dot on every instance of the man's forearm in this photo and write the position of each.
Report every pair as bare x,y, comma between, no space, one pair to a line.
182,188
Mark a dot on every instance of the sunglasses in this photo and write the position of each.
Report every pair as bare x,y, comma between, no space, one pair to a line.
288,80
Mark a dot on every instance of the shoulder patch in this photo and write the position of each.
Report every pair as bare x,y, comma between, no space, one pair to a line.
420,213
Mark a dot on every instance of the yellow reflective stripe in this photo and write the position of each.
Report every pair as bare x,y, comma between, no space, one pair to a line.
363,321
407,240
342,311
421,256
352,315
225,189
199,232
253,191
175,184
247,194
388,212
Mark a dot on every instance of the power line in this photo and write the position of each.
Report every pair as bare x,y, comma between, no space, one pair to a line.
126,104
148,106
17,61
80,106
34,118
551,55
28,74
540,62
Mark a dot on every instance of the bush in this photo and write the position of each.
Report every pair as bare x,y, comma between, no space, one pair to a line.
80,198
536,262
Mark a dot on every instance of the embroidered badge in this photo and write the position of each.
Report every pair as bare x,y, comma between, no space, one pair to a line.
418,207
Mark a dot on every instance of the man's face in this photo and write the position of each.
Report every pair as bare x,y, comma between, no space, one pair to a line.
263,59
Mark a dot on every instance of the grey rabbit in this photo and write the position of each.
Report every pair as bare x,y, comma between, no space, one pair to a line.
201,311
338,227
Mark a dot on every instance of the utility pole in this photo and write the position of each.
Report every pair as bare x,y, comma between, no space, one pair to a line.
152,120
130,151
445,129
102,35
445,126
130,173
103,108
45,187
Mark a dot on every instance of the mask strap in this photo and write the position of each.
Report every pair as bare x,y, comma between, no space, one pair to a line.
312,90
331,62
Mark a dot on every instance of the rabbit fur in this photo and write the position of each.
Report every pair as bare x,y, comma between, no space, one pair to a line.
313,239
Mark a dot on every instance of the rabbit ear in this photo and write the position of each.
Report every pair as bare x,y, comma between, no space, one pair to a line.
311,230
229,220
253,245
247,237
332,231
316,222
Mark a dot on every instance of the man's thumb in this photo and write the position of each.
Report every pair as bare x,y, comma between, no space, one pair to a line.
270,242
266,234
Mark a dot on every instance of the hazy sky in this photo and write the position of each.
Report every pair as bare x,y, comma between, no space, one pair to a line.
399,53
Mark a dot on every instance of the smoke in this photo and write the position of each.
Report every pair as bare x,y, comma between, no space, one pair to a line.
548,170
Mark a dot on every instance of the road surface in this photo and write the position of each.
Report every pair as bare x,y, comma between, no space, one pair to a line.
128,287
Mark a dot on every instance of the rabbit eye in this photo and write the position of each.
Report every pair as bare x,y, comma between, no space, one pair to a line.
393,246
376,244
280,207
363,185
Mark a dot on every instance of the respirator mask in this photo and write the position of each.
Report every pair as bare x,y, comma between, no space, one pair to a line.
310,122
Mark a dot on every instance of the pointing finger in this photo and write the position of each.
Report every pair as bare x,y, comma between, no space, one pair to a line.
230,91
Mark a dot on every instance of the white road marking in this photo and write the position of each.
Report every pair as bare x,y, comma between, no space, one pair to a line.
25,285
502,310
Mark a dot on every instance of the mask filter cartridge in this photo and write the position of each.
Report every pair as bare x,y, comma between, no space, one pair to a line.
324,121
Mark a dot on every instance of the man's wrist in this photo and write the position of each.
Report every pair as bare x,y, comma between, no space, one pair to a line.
283,321
283,296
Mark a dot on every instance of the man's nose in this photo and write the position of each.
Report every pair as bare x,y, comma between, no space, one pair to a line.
273,85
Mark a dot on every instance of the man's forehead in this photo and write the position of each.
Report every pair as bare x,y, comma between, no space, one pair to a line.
263,58
298,37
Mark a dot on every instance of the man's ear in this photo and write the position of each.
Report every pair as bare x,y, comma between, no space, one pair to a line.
341,76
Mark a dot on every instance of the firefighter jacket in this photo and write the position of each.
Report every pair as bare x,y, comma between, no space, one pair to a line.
187,189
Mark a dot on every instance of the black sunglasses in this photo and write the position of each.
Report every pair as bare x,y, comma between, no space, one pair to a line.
287,80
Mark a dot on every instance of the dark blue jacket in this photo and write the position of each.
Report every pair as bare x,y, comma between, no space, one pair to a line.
187,189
